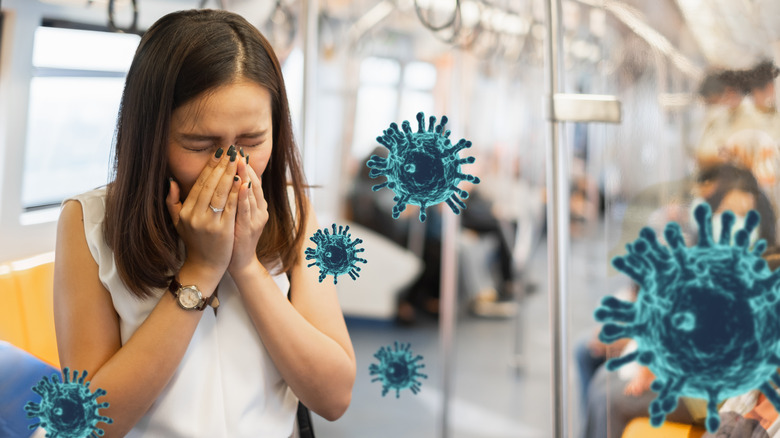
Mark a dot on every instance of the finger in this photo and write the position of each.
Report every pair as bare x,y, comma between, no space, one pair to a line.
173,201
225,185
257,187
245,201
219,179
232,200
241,168
205,174
250,194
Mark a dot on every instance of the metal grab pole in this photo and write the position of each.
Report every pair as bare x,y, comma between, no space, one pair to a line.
447,306
448,287
310,10
557,227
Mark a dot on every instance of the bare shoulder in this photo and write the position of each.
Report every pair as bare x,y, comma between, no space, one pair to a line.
78,291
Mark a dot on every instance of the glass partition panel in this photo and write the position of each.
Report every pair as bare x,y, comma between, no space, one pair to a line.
698,134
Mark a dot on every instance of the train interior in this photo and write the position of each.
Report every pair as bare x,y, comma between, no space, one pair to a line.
589,121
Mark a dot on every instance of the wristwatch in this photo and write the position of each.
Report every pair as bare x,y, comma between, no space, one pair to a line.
190,297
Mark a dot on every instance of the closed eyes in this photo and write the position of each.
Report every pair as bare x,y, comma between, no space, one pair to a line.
214,147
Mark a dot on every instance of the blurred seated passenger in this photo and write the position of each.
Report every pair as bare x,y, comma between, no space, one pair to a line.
723,96
497,299
504,215
590,353
610,407
737,190
757,132
746,135
373,209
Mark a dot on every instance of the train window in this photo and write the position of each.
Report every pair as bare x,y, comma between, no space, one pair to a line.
417,91
382,82
419,75
75,90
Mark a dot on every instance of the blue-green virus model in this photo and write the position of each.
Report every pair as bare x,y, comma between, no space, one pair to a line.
397,369
423,167
68,408
705,320
335,254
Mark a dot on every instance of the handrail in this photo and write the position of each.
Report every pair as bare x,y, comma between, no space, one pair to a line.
111,23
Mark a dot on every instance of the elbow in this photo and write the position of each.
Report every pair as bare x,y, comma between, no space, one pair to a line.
337,403
336,407
334,398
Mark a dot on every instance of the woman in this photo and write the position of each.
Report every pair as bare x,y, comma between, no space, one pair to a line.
737,190
171,284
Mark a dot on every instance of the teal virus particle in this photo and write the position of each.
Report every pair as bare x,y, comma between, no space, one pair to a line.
397,369
423,167
705,320
68,408
335,254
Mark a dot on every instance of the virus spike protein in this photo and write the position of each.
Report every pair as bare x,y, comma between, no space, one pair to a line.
335,254
423,167
397,369
67,409
704,320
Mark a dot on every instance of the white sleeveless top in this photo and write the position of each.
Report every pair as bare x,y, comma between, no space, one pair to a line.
226,385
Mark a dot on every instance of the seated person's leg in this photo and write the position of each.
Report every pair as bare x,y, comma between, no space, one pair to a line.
609,409
587,365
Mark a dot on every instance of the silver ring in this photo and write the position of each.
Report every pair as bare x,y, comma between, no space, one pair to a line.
215,209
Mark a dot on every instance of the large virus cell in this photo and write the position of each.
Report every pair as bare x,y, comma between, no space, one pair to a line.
335,254
705,320
68,409
397,369
423,167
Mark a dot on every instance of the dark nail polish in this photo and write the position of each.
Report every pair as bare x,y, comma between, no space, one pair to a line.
233,157
218,153
249,186
247,159
241,151
231,150
235,178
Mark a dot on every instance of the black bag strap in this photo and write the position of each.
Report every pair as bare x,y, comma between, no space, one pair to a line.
305,428
303,417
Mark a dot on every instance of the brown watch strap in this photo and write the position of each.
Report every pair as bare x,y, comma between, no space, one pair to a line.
212,301
174,286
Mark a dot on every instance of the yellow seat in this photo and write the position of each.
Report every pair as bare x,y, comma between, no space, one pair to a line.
27,310
641,428
12,326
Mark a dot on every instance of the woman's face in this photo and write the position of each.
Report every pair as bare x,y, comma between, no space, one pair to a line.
737,201
237,114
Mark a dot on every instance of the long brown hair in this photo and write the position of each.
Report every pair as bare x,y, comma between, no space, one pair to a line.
183,55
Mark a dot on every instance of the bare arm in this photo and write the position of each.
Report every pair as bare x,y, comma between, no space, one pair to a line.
87,326
307,338
88,338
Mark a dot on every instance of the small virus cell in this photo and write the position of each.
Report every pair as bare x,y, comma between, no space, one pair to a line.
397,369
423,167
335,254
705,318
68,408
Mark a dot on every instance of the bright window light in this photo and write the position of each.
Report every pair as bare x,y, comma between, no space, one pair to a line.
83,50
380,71
75,91
419,75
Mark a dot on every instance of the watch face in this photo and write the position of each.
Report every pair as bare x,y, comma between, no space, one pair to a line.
189,297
